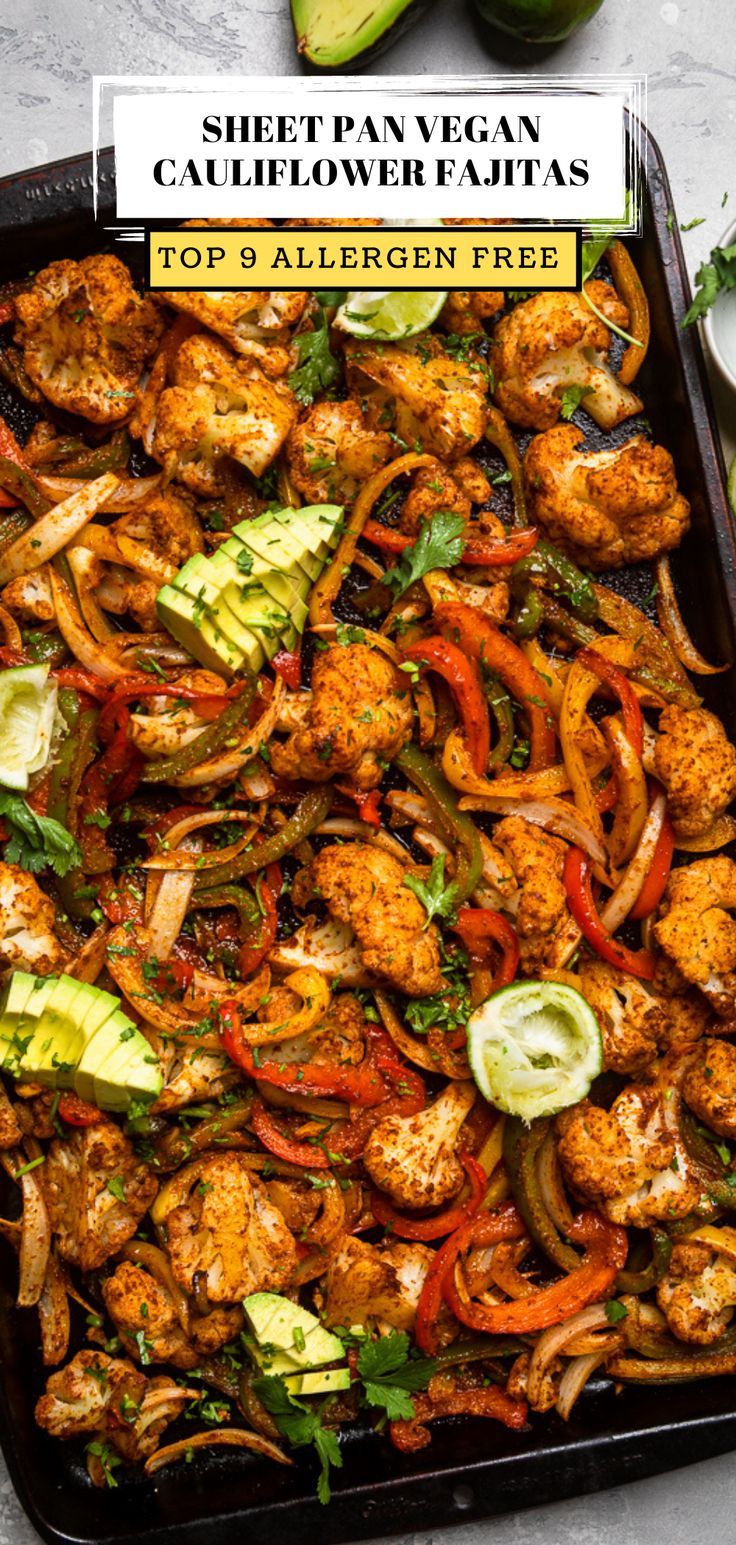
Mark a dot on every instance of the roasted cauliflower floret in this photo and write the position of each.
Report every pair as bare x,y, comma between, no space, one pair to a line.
86,335
630,1017
537,861
630,1160
218,406
709,1086
146,1320
552,342
696,762
465,311
413,1158
255,323
359,717
604,508
696,931
89,1220
224,1234
331,452
698,1292
369,1284
364,886
27,919
430,400
29,597
436,488
108,1397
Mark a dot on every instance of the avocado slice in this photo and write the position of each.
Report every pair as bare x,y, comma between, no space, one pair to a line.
323,1382
279,548
274,1321
53,1051
14,999
271,624
188,622
23,1029
118,1067
198,578
333,33
288,592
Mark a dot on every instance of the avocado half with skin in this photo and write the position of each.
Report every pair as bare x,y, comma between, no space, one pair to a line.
333,33
538,21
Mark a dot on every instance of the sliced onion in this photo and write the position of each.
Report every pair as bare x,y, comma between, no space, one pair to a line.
630,811
362,831
77,637
415,1048
553,815
35,1242
11,632
330,947
227,764
549,1177
48,535
53,1315
621,901
222,1437
157,736
554,1341
143,560
130,492
169,903
673,627
574,1380
83,565
184,860
374,640
87,964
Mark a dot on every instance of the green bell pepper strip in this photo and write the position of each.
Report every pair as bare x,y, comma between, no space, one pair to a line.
502,710
84,463
44,648
235,896
529,614
19,483
456,825
206,745
12,525
641,1281
549,565
76,750
310,813
579,633
476,1348
521,1144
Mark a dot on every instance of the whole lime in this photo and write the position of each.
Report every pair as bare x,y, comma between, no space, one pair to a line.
538,21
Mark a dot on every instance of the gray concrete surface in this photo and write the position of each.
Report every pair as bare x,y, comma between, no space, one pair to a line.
48,51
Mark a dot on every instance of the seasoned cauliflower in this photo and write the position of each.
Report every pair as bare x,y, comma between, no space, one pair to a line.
465,311
29,596
430,400
364,886
27,920
254,322
331,452
696,762
537,861
90,1220
551,343
368,1284
145,1318
359,717
630,1017
698,1292
108,1397
86,336
436,488
219,405
225,1234
696,932
630,1160
413,1158
709,1086
604,508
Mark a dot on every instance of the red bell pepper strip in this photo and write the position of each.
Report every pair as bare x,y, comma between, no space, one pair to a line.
82,680
504,1223
614,678
288,665
358,1084
580,901
10,448
605,1255
443,1222
463,677
367,803
487,645
136,685
489,552
254,951
410,1435
653,888
282,1146
79,1113
477,929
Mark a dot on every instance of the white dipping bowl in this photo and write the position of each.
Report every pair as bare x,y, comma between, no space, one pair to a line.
720,324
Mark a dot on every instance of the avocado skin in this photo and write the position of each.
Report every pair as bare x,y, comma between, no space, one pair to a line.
538,21
414,11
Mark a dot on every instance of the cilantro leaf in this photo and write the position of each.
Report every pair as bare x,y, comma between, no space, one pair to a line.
713,278
36,841
594,250
389,1374
300,1426
437,898
395,1402
615,1311
438,546
571,399
387,1355
317,369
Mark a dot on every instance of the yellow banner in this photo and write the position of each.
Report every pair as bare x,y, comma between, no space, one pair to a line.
364,258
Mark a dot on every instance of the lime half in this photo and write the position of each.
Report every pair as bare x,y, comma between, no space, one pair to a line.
534,1048
389,315
27,707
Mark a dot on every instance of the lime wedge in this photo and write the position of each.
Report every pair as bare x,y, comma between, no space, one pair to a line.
27,707
534,1048
389,315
